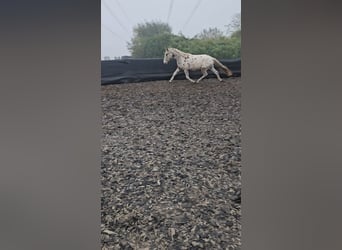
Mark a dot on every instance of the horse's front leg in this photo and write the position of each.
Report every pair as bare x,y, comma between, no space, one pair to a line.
187,75
174,74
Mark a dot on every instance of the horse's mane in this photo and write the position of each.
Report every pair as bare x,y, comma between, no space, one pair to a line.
180,52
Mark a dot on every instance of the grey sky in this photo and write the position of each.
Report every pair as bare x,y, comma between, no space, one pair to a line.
118,17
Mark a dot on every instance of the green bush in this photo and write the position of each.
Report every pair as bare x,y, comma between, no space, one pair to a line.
151,39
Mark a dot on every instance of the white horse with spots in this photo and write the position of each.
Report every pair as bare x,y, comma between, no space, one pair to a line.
187,61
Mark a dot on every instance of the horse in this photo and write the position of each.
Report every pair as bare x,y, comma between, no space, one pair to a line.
187,61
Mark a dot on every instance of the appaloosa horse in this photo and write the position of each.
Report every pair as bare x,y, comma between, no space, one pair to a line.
187,61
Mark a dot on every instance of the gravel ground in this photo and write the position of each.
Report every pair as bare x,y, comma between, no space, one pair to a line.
171,161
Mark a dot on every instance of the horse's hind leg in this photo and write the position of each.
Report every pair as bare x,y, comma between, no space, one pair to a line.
174,74
204,72
216,73
187,75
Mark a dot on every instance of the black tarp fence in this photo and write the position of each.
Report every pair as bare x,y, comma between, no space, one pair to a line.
142,70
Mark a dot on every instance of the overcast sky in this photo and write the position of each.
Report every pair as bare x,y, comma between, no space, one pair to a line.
118,17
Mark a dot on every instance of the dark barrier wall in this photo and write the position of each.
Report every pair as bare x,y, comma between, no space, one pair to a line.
140,70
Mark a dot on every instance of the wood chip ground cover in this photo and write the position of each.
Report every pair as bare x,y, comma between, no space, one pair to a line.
171,165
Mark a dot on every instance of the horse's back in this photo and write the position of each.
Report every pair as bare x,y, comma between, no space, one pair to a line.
205,60
195,62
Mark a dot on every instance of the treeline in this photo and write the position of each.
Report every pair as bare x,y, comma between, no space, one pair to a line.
151,38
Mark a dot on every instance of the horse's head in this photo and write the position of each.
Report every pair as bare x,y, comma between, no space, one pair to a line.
167,55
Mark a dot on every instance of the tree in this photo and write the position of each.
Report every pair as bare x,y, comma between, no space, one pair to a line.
235,24
210,33
236,34
150,39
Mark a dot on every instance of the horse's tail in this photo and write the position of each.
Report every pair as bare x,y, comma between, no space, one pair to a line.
224,68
